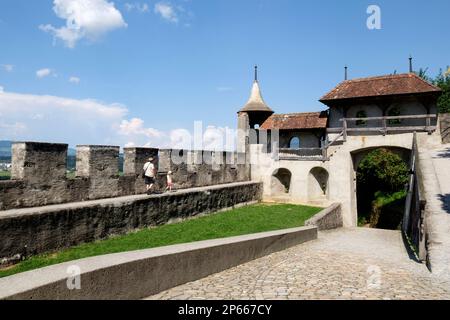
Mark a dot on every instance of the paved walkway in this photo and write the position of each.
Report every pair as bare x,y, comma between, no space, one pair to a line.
435,165
342,264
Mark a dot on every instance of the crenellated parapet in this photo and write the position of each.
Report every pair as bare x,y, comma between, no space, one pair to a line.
39,172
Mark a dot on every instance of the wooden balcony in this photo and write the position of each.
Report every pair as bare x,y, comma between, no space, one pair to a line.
387,125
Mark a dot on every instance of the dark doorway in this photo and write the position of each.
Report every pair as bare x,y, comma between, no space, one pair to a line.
381,178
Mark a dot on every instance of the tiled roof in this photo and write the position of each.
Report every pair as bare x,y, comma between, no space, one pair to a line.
310,120
408,83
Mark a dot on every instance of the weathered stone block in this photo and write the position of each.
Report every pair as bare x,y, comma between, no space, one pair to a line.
135,158
101,165
39,163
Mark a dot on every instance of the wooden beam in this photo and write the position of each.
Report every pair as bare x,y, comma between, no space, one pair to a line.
422,116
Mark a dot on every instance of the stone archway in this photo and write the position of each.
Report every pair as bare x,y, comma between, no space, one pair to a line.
281,182
362,203
318,184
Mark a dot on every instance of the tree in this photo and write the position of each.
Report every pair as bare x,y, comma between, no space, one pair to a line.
383,170
442,80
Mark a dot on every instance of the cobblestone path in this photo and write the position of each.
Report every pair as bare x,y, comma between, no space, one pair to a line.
352,263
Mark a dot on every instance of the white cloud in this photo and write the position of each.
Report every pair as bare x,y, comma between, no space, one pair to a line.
84,19
219,138
135,127
8,67
13,129
2,89
166,11
74,80
42,73
139,7
53,119
58,119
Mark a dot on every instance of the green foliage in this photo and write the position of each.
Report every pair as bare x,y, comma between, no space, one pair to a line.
387,210
442,80
381,179
384,199
245,220
382,170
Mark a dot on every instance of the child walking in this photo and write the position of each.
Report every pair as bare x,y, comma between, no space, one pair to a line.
169,181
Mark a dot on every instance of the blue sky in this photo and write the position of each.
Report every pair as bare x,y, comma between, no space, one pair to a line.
144,71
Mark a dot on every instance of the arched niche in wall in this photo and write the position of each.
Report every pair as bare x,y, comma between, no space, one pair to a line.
318,184
281,182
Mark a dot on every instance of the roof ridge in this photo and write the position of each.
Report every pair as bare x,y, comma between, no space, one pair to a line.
297,113
400,75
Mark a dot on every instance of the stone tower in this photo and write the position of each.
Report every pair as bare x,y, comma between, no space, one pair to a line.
252,115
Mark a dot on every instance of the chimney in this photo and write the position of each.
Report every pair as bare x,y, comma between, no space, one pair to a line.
410,64
346,73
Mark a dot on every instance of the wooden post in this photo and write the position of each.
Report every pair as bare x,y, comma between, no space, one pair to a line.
428,124
324,153
345,130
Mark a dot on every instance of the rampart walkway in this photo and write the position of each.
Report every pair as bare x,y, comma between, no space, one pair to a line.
342,264
435,166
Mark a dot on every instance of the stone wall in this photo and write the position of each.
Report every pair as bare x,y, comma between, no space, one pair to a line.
444,121
327,219
39,172
36,230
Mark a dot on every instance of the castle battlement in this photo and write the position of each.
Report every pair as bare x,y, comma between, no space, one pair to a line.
39,177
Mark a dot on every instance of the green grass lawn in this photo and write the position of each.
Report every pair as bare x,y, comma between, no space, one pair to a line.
245,220
5,175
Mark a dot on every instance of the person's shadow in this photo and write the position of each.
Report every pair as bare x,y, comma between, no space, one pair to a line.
445,199
444,153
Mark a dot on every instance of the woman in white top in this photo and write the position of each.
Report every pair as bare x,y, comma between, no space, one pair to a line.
149,174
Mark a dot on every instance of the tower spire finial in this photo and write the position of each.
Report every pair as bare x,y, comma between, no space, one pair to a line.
410,64
256,73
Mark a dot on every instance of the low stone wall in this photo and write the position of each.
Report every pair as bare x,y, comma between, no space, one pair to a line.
139,274
32,231
444,122
38,174
327,219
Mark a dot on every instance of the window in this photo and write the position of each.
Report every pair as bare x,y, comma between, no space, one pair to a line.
294,143
394,112
361,114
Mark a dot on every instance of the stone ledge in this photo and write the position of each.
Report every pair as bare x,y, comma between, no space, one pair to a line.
139,274
327,219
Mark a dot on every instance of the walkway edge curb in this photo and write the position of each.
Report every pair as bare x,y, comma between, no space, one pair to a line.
139,274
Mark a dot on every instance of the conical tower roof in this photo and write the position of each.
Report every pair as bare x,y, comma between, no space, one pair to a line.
256,101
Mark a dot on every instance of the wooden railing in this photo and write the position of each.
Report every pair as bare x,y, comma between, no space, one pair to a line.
306,154
413,224
385,127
